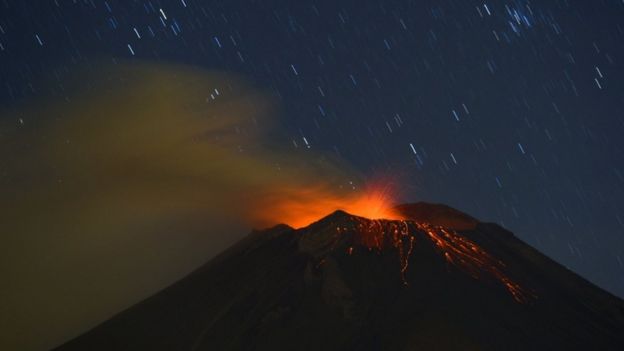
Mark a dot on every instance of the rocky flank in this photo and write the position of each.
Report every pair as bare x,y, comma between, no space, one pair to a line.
440,280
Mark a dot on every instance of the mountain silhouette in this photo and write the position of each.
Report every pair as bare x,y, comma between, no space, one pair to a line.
436,280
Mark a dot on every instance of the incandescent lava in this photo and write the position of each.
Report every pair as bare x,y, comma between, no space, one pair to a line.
401,235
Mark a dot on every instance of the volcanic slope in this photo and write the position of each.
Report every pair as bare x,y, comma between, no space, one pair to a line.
438,280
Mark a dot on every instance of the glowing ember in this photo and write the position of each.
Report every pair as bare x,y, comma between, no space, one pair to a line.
379,234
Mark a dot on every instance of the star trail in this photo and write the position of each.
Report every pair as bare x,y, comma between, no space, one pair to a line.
508,110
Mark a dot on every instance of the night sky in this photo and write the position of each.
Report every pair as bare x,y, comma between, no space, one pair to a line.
508,110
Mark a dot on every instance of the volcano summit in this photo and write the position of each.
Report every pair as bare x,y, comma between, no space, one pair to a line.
437,279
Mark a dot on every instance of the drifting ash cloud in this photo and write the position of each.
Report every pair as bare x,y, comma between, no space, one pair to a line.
137,175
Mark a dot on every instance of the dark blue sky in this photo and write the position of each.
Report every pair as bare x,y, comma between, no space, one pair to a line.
508,110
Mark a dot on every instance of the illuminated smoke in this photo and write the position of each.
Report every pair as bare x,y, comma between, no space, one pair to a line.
134,174
301,206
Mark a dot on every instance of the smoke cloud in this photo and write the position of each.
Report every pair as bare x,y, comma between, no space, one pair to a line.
136,175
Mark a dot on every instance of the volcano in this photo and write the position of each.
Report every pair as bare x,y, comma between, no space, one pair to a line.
437,279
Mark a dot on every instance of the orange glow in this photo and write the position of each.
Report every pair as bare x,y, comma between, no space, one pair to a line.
300,207
375,225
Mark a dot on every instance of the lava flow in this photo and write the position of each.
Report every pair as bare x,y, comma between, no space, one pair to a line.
401,235
377,225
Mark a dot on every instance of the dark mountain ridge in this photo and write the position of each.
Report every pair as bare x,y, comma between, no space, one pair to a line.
439,280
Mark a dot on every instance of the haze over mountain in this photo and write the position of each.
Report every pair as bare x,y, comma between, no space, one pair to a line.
436,279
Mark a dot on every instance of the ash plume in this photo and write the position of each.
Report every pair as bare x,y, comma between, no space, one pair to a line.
113,191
